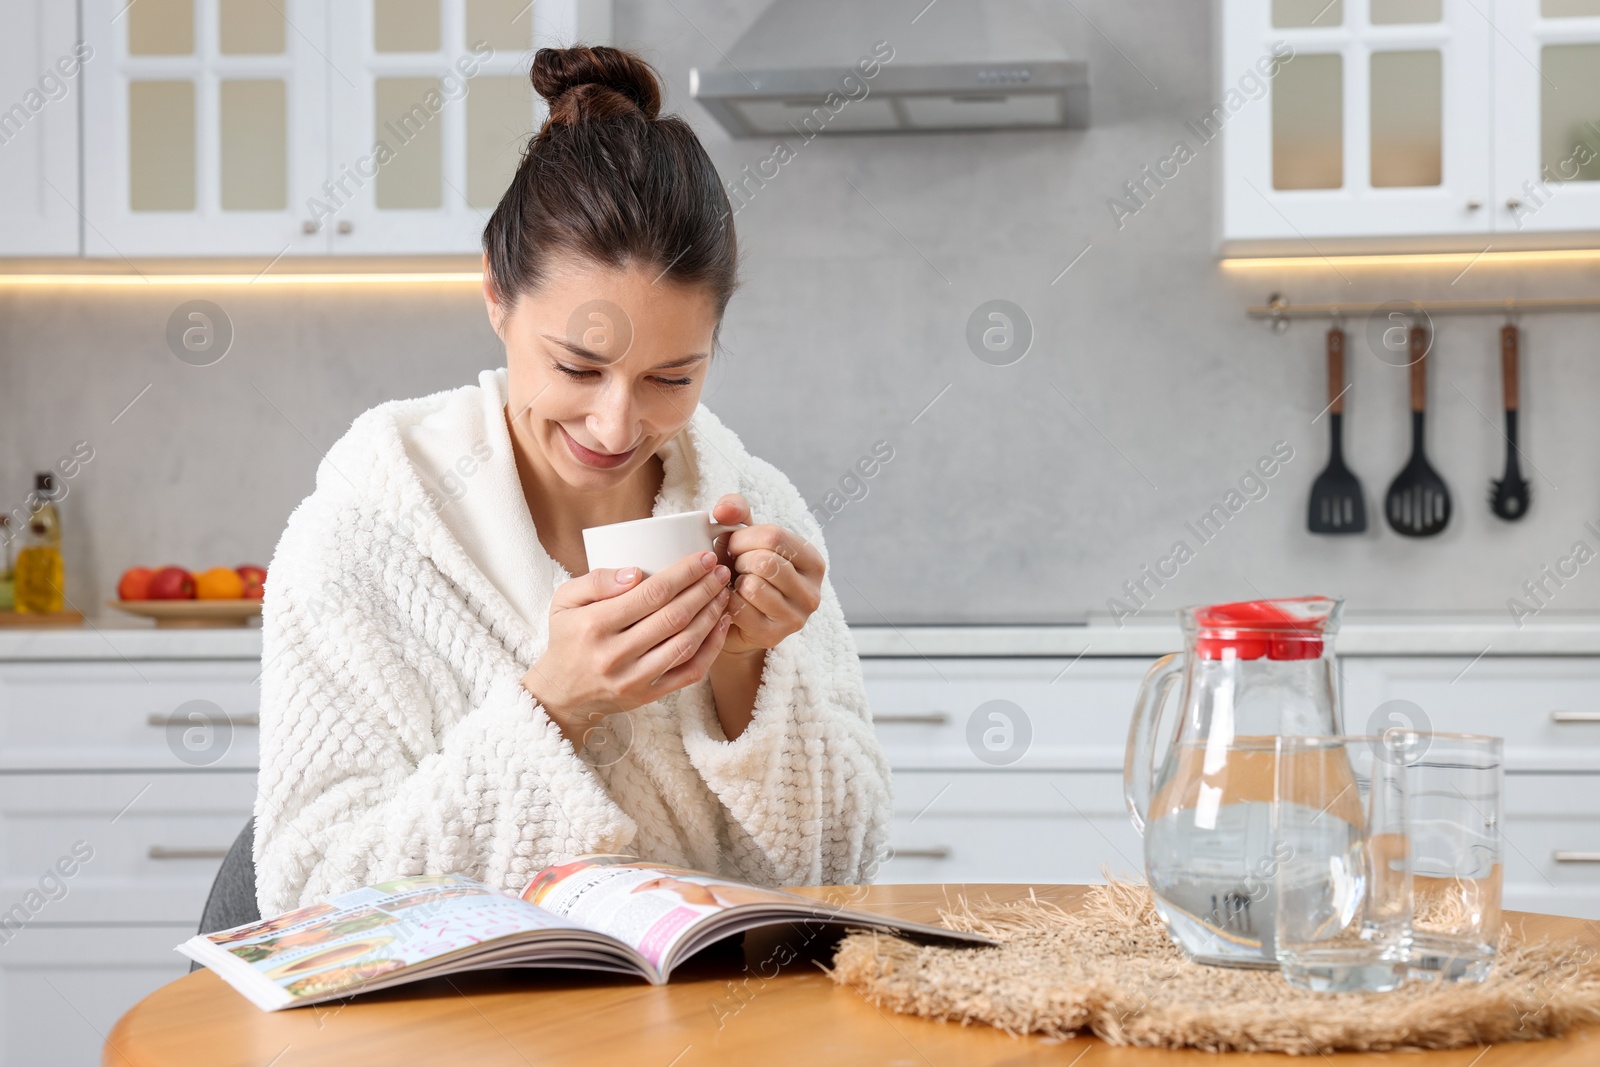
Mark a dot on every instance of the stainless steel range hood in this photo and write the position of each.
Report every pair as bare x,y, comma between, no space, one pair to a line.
803,67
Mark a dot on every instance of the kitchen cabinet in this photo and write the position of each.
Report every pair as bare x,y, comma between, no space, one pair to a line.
63,988
204,126
154,841
446,105
1406,124
41,80
270,128
1010,768
128,715
123,780
1546,707
1012,826
1006,769
1547,115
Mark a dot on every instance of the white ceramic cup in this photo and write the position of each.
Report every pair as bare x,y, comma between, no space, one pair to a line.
652,544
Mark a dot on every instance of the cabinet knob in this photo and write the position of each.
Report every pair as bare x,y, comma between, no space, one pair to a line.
345,225
1474,204
1513,202
308,227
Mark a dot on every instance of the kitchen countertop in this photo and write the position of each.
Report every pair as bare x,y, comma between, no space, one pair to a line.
97,640
1363,634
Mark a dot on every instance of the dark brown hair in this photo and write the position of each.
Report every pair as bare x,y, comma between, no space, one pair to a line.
608,180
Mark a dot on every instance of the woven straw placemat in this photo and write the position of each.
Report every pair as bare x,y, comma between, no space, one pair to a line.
1109,967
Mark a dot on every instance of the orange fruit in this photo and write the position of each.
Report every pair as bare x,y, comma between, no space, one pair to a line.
219,583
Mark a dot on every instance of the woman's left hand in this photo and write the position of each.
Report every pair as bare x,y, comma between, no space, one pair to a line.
777,580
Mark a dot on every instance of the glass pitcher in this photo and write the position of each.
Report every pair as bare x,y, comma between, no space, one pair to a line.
1201,789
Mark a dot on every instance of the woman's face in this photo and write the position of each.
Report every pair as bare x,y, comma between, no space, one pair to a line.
604,366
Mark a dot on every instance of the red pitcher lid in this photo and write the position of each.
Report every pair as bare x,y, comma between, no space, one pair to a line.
1291,628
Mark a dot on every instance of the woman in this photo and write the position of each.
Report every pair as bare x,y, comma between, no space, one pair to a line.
437,683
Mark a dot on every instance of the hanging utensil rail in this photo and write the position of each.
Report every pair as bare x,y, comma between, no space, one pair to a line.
1277,309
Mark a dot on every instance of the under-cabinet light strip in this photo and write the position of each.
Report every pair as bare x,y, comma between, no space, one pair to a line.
202,280
1407,259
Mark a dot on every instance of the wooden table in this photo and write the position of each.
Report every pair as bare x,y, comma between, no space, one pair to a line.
710,1013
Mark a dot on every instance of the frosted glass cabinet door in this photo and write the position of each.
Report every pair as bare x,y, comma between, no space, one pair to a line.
41,75
205,127
431,106
1547,101
1361,118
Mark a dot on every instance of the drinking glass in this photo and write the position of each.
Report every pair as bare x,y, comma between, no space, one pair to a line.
1453,787
1343,881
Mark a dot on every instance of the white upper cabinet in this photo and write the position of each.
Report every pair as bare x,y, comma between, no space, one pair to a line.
1547,131
270,128
1367,117
206,124
431,105
1407,124
41,78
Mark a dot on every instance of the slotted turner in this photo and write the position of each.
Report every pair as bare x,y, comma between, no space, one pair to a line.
1508,497
1337,504
1418,504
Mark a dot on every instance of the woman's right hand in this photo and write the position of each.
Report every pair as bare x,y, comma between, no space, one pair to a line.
617,643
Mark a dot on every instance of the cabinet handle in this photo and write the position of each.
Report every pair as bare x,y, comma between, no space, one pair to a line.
932,718
309,227
161,852
1575,716
937,852
1474,204
1513,202
1577,857
346,226
172,720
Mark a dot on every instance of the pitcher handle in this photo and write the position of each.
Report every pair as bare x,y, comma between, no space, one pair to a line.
1139,764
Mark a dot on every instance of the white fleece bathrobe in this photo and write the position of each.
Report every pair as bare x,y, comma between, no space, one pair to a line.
407,598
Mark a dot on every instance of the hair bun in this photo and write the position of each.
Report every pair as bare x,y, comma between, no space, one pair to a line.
594,83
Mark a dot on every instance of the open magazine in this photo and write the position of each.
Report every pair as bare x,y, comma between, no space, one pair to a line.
607,913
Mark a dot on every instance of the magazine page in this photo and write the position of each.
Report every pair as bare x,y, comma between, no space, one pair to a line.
668,913
381,935
651,906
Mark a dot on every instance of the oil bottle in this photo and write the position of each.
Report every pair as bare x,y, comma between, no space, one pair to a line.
8,589
39,573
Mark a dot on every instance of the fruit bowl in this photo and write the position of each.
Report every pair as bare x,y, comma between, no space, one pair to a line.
176,598
189,614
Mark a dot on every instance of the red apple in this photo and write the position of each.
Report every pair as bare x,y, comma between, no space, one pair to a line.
255,580
135,583
172,583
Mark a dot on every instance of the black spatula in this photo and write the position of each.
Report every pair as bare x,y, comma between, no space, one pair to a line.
1508,497
1418,504
1337,504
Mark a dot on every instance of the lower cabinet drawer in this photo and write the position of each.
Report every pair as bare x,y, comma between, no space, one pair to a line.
115,848
976,715
63,989
1010,826
1546,707
1551,838
155,714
